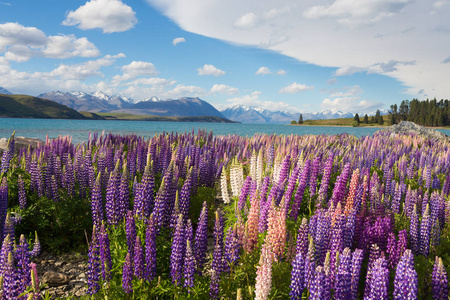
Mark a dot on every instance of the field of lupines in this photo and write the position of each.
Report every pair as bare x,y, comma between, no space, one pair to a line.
198,216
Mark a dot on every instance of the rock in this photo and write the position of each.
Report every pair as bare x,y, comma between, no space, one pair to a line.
55,279
19,143
410,127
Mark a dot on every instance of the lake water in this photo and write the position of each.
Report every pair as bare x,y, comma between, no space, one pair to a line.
79,129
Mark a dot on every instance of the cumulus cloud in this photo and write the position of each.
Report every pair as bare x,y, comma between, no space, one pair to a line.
20,43
178,40
295,88
281,72
247,21
135,69
350,104
355,12
182,90
224,89
332,81
263,71
210,70
152,81
108,15
253,100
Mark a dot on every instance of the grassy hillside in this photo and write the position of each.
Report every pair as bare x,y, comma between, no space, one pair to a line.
23,106
91,115
123,116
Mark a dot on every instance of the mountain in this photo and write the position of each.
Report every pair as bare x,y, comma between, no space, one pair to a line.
245,114
93,102
4,91
22,106
183,107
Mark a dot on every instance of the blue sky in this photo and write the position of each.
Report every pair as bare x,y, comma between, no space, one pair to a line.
309,55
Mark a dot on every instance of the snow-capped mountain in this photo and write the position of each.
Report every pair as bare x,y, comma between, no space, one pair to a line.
94,102
246,114
4,91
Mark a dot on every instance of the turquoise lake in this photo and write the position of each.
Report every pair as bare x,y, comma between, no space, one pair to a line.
79,129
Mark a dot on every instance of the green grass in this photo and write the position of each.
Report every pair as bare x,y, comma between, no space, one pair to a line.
341,122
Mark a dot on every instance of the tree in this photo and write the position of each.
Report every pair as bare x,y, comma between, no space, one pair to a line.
300,120
366,119
356,118
380,120
393,115
377,116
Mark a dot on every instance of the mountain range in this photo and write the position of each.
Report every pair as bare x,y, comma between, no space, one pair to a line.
4,91
100,102
246,114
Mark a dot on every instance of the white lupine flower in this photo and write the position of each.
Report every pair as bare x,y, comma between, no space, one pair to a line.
259,170
253,160
224,186
264,274
236,178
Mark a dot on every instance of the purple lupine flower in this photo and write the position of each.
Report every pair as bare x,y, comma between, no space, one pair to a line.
11,289
425,232
123,197
374,254
111,199
185,197
218,261
105,252
300,190
97,202
3,206
343,278
127,274
22,193
313,177
232,247
320,287
178,251
144,199
138,259
8,154
214,285
22,256
406,280
201,237
36,247
392,250
310,264
302,238
130,230
245,191
189,266
325,179
35,281
298,283
9,227
414,231
357,259
340,186
379,282
439,280
150,249
93,273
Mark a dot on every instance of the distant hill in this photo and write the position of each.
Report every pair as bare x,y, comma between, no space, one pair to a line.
132,117
94,102
4,91
246,114
22,106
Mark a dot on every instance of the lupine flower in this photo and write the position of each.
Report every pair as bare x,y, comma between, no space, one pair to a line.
138,259
3,205
36,247
439,281
414,231
10,288
425,232
201,236
302,237
325,178
189,266
22,193
232,246
185,197
97,202
244,192
214,285
251,232
23,270
320,287
379,282
224,186
297,277
300,190
93,273
178,251
150,249
35,282
357,259
218,261
406,280
344,276
130,230
105,252
8,154
127,276
264,273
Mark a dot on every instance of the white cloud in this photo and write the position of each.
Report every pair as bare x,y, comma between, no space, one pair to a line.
350,104
356,12
84,70
224,89
380,68
210,70
253,100
135,69
347,91
246,21
20,43
153,81
185,91
332,81
108,15
281,72
441,3
275,12
309,39
263,71
295,88
178,40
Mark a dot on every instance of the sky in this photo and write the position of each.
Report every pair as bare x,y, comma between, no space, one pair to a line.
301,56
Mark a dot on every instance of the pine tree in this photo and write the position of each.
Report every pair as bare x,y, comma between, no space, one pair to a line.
300,120
356,118
366,119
